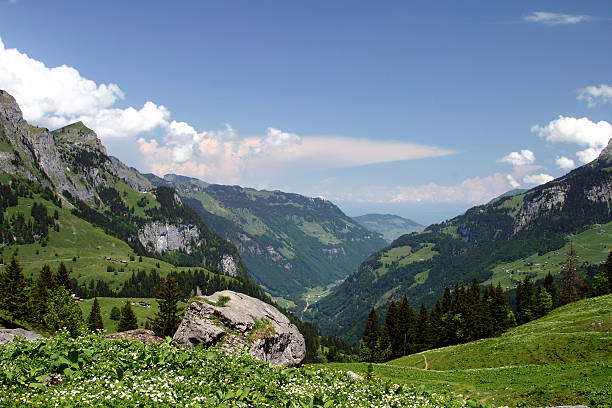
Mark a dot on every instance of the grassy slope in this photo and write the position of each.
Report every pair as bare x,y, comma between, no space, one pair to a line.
88,243
562,358
106,304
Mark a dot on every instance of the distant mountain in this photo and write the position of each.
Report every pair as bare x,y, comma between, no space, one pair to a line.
391,226
289,243
510,193
519,235
64,199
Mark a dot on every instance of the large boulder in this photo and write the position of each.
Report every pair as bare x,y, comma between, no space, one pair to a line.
235,320
141,335
8,335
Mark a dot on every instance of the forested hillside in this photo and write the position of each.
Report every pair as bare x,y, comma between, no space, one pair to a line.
290,243
487,243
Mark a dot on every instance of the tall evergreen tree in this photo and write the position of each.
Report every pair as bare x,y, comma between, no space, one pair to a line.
424,338
128,319
40,294
407,329
602,281
63,277
167,320
64,312
436,323
14,298
371,335
524,301
94,322
572,287
503,318
543,302
551,288
393,329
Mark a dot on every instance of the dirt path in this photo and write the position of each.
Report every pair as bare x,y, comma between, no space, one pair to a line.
426,363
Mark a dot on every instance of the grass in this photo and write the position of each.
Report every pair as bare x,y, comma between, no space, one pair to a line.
562,358
106,305
403,255
592,246
263,329
82,247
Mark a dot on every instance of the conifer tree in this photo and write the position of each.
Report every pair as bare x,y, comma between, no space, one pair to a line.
371,335
63,277
407,329
40,294
543,302
94,322
551,288
524,301
602,281
128,319
13,285
423,330
115,313
167,320
572,286
393,330
64,312
501,313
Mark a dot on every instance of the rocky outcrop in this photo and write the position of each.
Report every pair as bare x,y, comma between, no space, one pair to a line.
141,335
9,335
235,320
162,237
228,265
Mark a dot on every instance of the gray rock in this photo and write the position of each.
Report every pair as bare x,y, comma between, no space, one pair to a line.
354,376
228,265
243,321
162,237
8,335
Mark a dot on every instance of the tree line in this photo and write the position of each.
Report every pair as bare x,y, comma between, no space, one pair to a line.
466,313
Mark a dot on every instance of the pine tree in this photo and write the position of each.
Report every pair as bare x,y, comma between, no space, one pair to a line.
115,313
63,277
94,322
572,286
369,340
407,335
551,288
503,318
393,330
524,301
602,281
13,285
128,319
40,294
167,320
423,330
64,312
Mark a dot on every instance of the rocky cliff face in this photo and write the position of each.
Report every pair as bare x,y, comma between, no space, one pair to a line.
162,237
234,320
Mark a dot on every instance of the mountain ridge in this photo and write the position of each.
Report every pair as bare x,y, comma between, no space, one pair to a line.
390,225
537,221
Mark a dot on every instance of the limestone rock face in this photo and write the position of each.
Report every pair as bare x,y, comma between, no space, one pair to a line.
228,265
242,321
8,335
163,237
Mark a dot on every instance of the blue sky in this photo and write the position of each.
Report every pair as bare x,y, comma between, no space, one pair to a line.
413,108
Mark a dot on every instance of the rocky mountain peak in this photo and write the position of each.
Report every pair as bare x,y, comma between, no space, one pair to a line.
77,135
9,106
607,151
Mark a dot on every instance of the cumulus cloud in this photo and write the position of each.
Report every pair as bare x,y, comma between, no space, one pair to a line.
512,181
583,132
565,163
595,94
521,158
57,96
538,178
548,18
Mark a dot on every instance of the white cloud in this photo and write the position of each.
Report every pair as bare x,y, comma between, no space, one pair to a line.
595,94
583,132
521,158
538,178
57,96
277,138
549,18
476,190
512,181
565,163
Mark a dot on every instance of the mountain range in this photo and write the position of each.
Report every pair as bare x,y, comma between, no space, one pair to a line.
524,234
391,226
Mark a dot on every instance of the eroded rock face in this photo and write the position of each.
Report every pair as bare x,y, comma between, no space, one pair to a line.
243,321
162,237
8,335
228,265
